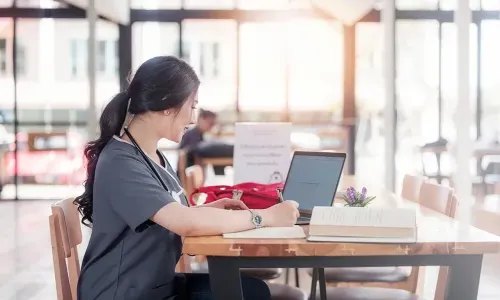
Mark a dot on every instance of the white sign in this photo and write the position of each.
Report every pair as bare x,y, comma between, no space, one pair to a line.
262,152
347,11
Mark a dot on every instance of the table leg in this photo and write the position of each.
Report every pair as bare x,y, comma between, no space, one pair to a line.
463,277
314,282
322,283
297,280
225,280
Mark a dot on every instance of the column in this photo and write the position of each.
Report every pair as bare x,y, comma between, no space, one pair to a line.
388,22
91,60
463,113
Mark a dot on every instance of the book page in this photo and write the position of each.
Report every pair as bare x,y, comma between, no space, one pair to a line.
363,217
368,240
295,232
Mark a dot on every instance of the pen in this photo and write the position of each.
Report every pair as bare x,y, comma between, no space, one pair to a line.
280,195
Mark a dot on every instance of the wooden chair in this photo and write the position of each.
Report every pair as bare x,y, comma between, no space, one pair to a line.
181,166
436,197
195,178
65,236
393,282
411,187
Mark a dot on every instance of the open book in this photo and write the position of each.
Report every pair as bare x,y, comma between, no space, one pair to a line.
295,232
362,224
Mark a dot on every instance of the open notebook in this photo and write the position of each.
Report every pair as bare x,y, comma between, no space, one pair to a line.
295,232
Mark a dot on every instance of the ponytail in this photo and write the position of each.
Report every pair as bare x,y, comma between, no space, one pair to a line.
110,123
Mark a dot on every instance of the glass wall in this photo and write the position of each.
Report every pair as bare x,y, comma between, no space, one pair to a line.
210,47
52,104
314,52
253,66
417,92
263,47
489,86
6,95
370,101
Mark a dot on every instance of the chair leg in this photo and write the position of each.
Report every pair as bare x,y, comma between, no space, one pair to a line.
314,282
297,281
287,275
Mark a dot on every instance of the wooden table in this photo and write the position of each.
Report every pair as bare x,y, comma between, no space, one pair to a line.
441,241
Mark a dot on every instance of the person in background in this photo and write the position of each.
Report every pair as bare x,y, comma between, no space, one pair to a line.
194,144
135,205
194,136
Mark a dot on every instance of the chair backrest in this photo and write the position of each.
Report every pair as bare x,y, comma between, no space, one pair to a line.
441,199
411,187
65,236
436,197
195,177
181,166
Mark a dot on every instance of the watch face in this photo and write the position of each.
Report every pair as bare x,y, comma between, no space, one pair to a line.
258,219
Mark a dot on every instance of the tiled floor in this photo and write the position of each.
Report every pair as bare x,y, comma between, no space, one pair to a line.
26,263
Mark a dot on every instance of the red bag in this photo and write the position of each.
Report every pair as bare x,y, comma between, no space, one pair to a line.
254,195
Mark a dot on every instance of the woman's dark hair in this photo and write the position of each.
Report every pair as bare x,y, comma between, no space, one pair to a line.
160,83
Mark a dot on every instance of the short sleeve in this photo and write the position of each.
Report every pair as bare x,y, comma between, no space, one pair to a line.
134,192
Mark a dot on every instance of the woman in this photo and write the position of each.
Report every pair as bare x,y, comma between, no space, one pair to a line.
135,205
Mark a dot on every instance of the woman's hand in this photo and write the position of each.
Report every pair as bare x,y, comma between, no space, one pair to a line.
227,203
284,214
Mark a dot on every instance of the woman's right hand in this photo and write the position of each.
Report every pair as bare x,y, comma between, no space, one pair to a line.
283,214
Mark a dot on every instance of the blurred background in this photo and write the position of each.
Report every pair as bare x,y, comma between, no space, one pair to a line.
259,60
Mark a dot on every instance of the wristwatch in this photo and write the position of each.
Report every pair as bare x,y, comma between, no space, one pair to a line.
256,219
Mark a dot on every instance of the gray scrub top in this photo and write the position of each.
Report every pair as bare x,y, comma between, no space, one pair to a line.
128,256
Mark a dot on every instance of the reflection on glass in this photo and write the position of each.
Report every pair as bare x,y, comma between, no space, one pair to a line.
314,50
417,81
150,39
370,99
452,4
210,48
490,73
262,67
156,4
417,4
209,4
449,78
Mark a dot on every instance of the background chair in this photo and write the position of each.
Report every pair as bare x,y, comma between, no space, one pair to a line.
411,187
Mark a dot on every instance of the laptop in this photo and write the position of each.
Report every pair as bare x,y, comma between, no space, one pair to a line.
312,180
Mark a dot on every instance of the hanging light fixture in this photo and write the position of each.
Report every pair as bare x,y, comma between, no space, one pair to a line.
347,11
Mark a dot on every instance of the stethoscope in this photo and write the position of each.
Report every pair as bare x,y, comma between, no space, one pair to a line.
175,195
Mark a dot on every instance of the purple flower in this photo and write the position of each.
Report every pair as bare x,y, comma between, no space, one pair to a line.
363,193
351,195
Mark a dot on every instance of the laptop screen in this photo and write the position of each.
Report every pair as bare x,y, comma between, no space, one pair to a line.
313,179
